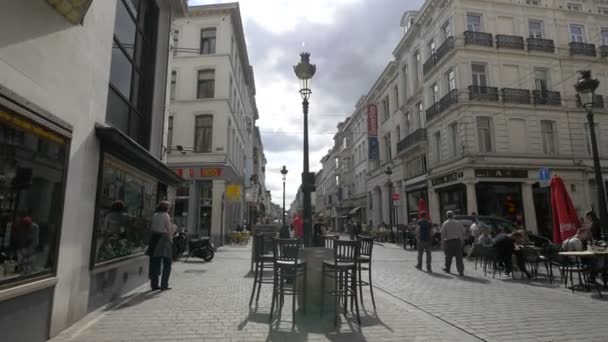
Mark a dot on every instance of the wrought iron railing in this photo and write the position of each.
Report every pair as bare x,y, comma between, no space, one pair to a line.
443,104
436,56
582,49
483,93
412,139
478,38
429,64
509,42
540,44
546,97
512,95
603,51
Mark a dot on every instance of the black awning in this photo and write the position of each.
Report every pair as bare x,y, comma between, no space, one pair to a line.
120,145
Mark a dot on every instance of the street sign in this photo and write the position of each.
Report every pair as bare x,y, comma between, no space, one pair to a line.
396,197
544,177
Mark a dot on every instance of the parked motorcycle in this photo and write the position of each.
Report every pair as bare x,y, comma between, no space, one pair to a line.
197,247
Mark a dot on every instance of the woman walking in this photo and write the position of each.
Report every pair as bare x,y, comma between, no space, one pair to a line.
160,248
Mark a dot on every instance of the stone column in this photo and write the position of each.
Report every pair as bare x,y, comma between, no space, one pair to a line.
471,198
529,209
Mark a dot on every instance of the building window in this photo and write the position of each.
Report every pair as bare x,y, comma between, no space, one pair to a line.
398,133
454,138
416,60
421,117
437,141
130,96
126,203
474,22
431,48
446,29
548,136
404,82
408,123
478,74
604,36
385,108
577,33
175,42
451,79
574,7
203,134
535,28
396,97
206,84
434,93
32,173
484,133
602,10
170,135
173,84
208,37
541,79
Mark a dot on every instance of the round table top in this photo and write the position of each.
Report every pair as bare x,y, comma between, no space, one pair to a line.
584,253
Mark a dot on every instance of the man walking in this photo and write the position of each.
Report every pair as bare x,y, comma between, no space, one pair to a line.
424,241
452,234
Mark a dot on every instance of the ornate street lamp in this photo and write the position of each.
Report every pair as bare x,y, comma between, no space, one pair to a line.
284,229
305,71
586,87
388,172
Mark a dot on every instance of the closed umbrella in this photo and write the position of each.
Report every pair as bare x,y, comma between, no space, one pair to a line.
422,207
565,219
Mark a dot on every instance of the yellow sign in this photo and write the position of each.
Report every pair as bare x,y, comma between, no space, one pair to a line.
233,192
31,127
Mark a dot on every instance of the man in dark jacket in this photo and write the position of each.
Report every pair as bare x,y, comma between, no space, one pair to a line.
424,240
505,248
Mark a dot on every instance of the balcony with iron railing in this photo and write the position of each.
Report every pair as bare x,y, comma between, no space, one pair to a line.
509,42
483,93
478,38
540,44
603,51
443,104
582,49
412,139
598,101
546,97
438,55
519,96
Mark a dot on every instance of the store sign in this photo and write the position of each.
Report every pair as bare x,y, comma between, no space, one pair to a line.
30,127
495,173
202,172
372,132
447,178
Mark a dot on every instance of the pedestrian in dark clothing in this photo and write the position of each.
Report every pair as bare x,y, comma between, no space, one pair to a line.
160,248
452,233
424,241
505,248
592,223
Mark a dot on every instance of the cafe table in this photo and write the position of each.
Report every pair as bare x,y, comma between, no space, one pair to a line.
599,254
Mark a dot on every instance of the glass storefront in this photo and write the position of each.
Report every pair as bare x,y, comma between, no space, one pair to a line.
452,198
413,201
500,200
126,203
180,211
32,184
206,207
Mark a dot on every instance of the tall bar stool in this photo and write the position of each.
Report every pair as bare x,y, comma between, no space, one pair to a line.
364,263
343,271
287,268
262,261
328,240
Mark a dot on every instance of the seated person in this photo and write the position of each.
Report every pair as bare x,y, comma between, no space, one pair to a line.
485,239
505,249
575,243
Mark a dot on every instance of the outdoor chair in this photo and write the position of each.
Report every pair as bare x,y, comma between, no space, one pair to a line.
488,256
550,257
261,262
287,269
364,263
328,240
343,271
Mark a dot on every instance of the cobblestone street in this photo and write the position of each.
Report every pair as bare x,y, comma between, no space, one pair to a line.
209,302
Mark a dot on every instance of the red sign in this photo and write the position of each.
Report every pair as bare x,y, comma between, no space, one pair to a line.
372,120
203,172
396,197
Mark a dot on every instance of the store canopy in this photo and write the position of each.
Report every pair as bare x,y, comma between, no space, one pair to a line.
120,145
354,211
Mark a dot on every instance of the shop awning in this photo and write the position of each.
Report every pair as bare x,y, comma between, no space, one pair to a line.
354,211
120,145
73,10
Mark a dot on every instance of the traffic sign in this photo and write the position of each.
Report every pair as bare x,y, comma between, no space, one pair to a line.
396,197
544,177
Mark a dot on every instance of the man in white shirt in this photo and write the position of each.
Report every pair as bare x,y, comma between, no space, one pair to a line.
452,234
160,248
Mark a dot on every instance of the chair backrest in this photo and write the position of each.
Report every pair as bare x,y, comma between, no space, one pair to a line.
258,245
328,240
367,245
346,250
286,250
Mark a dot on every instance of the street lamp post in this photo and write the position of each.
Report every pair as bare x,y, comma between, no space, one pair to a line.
586,87
305,71
388,173
284,173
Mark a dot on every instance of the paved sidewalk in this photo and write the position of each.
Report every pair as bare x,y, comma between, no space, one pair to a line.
209,302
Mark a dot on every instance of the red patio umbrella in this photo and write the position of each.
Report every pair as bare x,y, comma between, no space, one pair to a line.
565,219
422,207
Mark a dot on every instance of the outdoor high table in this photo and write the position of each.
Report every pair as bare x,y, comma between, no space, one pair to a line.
599,254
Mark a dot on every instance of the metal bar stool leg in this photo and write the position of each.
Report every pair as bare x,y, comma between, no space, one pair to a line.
371,285
255,283
354,294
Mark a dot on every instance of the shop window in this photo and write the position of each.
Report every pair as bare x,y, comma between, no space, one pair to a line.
182,198
126,202
32,173
502,200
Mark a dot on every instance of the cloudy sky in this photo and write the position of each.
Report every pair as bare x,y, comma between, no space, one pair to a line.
350,41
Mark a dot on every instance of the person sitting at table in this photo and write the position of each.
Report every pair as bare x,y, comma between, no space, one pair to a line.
485,239
575,243
506,246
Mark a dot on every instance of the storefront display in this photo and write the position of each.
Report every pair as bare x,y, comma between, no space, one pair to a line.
32,183
501,200
126,204
452,198
414,199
